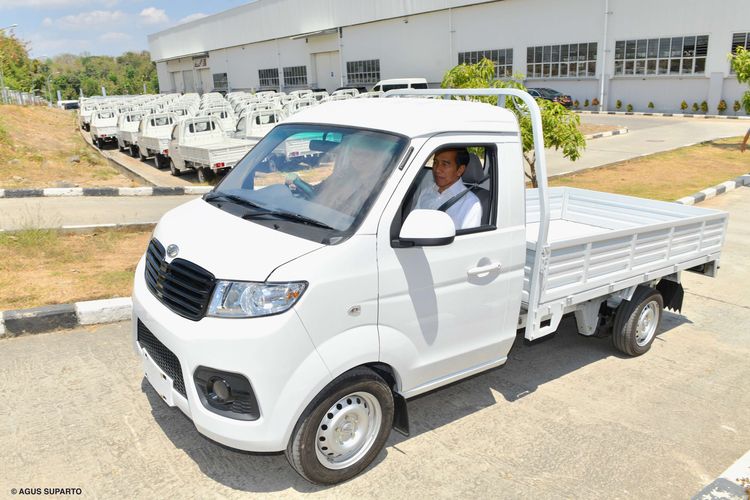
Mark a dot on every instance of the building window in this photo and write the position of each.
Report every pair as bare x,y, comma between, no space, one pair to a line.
220,81
502,58
573,60
269,77
739,40
363,71
295,76
681,55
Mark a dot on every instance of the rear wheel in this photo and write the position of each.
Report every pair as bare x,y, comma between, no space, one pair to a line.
205,174
343,429
173,170
637,321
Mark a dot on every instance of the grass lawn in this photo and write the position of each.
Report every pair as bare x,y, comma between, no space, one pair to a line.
669,175
36,145
595,128
43,267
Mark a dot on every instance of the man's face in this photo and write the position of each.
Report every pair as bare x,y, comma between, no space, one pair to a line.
445,169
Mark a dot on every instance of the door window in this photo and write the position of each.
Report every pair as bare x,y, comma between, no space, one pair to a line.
458,179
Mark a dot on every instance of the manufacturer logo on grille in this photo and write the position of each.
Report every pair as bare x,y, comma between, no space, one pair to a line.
173,250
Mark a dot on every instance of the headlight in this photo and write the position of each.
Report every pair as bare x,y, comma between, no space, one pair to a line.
242,299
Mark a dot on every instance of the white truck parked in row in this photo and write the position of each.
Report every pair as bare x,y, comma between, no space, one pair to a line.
200,144
154,133
103,127
127,131
301,312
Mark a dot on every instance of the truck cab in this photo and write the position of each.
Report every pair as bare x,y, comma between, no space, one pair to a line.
103,127
346,287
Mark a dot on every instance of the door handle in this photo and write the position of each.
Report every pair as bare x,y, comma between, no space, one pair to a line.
476,271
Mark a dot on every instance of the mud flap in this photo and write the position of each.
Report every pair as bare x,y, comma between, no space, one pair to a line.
400,414
672,293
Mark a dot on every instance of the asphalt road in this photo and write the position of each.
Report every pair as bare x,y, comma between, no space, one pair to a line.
565,418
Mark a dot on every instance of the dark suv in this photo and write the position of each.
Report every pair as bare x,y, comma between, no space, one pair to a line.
551,95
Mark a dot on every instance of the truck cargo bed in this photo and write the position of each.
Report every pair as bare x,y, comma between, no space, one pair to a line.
602,242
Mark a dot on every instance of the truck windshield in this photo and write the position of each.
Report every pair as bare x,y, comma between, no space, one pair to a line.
327,176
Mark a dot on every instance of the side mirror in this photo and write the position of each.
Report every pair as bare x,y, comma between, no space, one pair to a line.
426,228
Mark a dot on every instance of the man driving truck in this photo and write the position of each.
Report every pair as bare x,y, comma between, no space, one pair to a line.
448,193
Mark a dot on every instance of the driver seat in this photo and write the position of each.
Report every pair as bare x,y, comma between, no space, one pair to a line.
473,177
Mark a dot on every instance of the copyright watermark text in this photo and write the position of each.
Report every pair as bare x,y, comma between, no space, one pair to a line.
46,491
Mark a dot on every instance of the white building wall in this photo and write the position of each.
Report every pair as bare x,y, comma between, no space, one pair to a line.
422,38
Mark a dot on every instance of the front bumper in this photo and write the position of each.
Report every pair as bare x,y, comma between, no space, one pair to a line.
274,353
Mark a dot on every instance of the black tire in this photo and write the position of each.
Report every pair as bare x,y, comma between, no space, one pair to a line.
161,161
173,170
306,448
626,335
133,150
205,174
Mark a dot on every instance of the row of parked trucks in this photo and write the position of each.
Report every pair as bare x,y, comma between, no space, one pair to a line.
207,134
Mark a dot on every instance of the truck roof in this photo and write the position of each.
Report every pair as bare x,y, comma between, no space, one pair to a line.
411,117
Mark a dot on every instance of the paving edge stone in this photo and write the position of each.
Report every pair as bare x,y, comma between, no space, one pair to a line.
712,192
599,135
64,316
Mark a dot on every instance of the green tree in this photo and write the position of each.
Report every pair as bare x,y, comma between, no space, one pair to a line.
560,126
741,66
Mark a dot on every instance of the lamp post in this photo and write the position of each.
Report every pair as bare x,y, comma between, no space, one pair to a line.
2,77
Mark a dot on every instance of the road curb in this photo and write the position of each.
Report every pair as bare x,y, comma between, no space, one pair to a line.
64,316
599,135
108,191
90,228
671,115
712,192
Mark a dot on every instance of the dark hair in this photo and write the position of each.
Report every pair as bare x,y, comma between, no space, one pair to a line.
462,155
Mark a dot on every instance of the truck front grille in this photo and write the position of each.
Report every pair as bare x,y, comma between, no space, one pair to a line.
162,356
182,286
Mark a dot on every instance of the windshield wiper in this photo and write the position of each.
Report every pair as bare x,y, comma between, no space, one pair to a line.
232,197
283,214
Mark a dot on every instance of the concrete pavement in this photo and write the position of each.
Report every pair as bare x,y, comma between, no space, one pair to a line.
25,213
647,135
565,418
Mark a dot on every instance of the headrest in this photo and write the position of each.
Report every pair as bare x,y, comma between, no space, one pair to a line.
473,173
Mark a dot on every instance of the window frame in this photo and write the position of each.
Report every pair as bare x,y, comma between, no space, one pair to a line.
571,61
409,197
665,56
357,71
503,69
734,46
266,78
295,76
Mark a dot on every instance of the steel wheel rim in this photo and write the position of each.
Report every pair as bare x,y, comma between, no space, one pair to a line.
647,323
348,430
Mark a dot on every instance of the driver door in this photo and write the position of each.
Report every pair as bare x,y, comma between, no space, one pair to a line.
446,312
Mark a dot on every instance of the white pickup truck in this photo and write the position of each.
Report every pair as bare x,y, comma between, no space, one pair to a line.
103,127
154,134
200,144
127,131
300,313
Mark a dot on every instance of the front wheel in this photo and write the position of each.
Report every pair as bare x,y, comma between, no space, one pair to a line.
205,174
637,320
343,429
173,170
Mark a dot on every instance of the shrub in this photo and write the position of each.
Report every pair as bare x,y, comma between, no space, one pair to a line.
683,105
594,101
704,107
650,105
586,103
695,107
630,108
576,104
618,104
722,106
736,107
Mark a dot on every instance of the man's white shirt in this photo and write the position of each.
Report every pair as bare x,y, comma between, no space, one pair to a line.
466,212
